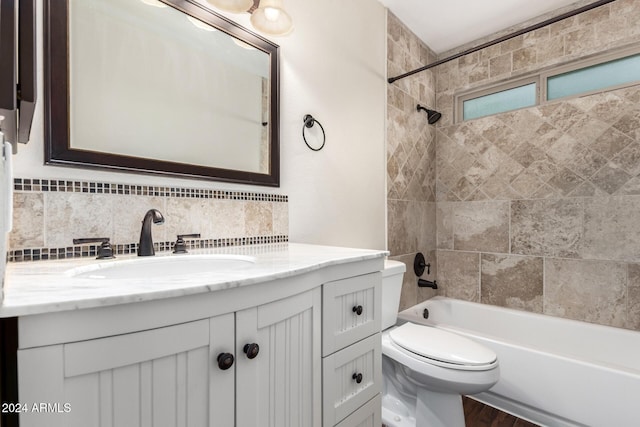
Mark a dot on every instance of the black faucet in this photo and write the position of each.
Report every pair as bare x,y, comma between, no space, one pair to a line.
145,248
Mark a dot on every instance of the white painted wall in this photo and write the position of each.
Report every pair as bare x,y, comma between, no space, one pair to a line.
333,67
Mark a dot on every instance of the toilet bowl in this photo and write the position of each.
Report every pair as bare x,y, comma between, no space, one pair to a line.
426,370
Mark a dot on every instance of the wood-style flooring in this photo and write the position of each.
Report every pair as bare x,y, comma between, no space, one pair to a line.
477,414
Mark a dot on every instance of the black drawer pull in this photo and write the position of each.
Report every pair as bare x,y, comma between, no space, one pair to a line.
357,378
357,310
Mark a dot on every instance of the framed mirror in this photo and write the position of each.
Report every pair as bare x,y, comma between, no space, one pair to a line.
166,87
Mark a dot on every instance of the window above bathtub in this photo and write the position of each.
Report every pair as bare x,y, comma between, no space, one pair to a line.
598,73
506,97
593,77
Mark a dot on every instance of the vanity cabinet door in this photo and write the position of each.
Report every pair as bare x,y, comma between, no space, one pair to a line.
281,385
161,377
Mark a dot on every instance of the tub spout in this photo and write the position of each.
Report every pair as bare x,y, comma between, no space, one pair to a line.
427,284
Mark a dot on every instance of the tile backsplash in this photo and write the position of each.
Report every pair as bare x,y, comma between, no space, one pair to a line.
49,214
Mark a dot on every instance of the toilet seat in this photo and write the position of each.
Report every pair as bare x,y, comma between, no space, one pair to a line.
442,348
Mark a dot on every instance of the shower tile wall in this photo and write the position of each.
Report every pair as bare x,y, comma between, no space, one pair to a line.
49,214
537,209
410,158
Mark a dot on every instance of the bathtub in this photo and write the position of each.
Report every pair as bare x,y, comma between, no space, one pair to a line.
553,371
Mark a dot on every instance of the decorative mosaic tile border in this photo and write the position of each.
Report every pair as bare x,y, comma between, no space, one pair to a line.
54,185
90,187
83,251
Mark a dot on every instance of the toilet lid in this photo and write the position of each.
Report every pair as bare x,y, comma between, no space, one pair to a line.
441,345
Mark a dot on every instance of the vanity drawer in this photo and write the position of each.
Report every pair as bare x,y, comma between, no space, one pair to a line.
351,311
368,415
342,393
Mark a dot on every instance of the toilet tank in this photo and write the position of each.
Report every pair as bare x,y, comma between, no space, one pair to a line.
392,276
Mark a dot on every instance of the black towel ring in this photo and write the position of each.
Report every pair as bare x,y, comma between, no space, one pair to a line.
309,121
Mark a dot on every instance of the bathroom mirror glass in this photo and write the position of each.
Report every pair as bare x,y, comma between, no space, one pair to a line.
159,86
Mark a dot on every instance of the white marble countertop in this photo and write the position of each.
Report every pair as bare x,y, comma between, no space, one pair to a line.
47,286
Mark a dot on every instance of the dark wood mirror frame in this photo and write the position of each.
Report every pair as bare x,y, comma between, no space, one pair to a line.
58,150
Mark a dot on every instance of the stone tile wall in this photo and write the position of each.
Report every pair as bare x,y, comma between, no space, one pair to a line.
537,209
410,158
49,214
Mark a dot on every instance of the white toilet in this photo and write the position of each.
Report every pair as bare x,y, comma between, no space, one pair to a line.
425,370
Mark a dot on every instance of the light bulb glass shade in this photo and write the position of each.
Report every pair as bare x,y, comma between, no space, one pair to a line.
271,18
235,6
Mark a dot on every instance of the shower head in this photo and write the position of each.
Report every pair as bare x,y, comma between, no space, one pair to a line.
432,115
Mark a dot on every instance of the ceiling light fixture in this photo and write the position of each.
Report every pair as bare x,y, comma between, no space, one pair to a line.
235,6
271,18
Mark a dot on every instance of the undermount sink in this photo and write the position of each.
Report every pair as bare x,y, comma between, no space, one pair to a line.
163,266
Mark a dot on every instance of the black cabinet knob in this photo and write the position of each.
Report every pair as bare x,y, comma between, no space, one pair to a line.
357,310
357,378
251,350
225,361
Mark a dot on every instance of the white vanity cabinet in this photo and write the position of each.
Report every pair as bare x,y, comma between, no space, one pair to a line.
170,376
301,326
